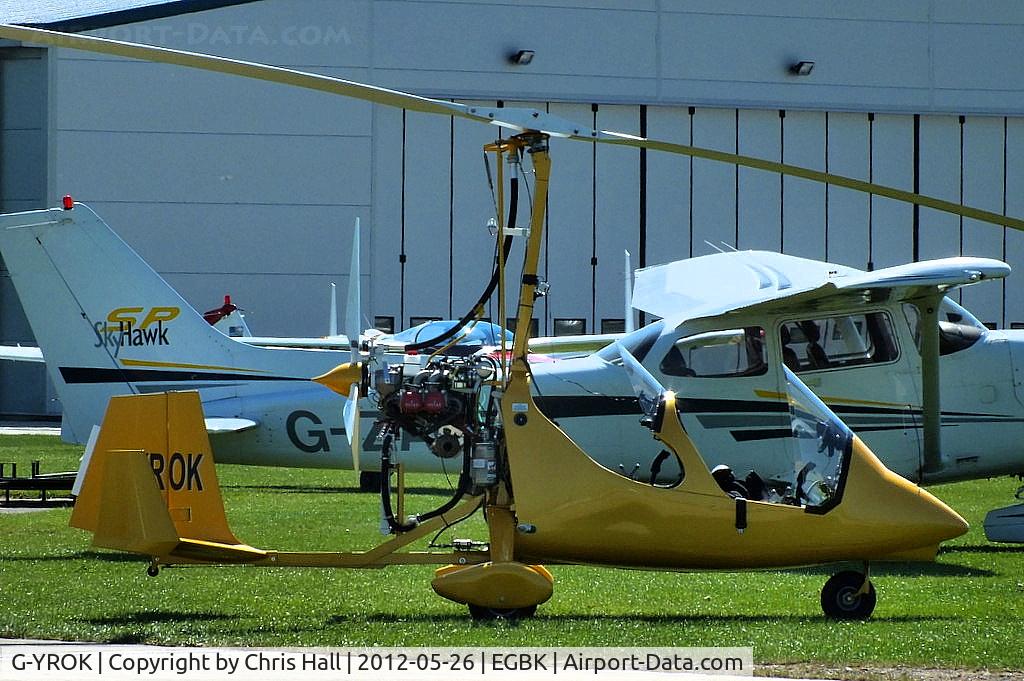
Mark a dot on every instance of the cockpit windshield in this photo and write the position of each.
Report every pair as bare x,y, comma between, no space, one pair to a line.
820,447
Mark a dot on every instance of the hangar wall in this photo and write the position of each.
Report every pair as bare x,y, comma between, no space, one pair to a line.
247,188
24,388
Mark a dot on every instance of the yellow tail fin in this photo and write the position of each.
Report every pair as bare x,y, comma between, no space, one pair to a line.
151,484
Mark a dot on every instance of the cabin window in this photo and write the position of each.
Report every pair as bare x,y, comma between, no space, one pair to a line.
838,342
717,354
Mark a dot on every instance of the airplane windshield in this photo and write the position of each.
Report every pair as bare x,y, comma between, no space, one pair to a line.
820,447
479,333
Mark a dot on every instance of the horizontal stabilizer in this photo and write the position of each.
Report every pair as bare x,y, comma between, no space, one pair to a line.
216,425
16,353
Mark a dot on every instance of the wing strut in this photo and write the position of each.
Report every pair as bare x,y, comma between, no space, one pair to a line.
931,403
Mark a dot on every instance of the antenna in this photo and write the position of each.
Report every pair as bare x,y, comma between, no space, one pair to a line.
332,329
629,295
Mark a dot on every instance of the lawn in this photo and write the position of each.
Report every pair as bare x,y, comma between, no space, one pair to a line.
966,610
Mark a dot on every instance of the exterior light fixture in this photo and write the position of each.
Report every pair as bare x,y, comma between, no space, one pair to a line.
801,68
522,57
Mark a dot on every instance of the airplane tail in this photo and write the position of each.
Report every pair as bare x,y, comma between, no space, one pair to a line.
151,487
106,322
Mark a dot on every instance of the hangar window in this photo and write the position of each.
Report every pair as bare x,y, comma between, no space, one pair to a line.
638,342
838,342
385,324
511,322
717,354
613,326
416,321
570,327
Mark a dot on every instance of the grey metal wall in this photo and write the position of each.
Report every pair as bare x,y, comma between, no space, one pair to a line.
23,168
229,186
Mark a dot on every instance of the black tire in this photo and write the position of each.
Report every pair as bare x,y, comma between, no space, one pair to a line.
153,570
369,481
840,600
481,613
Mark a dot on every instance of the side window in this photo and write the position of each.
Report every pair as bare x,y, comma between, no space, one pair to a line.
838,342
718,354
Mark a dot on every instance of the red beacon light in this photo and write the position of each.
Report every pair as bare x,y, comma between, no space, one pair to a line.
67,202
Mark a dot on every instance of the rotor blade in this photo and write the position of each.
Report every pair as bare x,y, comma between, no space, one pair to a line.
351,415
274,74
621,139
516,119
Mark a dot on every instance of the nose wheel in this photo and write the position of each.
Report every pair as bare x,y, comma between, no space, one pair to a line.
848,595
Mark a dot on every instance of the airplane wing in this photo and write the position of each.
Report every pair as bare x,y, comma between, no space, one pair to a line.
712,285
551,345
16,353
326,343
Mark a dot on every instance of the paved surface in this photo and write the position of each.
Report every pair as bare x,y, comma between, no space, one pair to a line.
29,428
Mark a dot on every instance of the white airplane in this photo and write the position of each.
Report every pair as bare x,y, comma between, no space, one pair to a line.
128,331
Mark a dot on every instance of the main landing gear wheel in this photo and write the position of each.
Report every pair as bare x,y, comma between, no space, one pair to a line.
482,613
369,481
841,598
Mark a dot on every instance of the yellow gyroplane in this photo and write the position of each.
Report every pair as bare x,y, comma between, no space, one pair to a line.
150,485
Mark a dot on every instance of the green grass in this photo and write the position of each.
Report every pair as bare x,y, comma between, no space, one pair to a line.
965,610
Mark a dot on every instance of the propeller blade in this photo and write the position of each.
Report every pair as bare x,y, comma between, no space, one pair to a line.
351,414
354,303
515,119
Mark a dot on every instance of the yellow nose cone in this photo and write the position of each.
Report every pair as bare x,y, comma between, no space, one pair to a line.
890,513
932,516
340,378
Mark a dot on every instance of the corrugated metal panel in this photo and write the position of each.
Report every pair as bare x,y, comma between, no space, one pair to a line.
668,189
847,220
983,187
617,215
892,163
804,207
759,133
714,184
